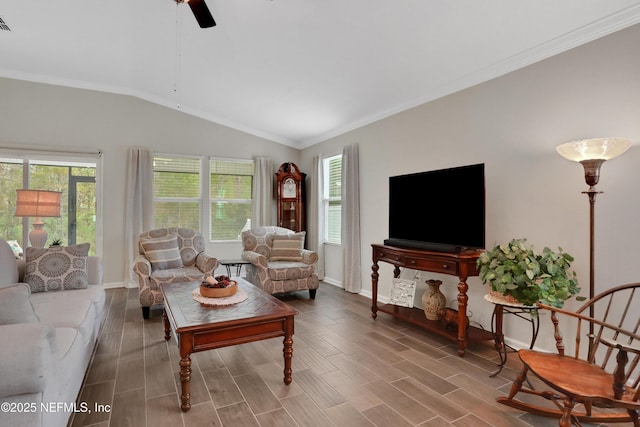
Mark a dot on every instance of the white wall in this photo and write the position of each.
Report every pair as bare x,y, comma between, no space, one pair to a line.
51,116
513,124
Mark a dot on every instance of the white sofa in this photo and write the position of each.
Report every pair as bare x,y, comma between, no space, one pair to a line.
47,340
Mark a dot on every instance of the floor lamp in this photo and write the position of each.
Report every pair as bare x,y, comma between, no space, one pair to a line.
592,153
38,204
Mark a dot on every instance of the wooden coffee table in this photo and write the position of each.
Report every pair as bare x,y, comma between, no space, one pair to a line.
198,327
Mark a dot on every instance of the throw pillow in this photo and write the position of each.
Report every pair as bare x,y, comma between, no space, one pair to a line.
57,268
287,247
162,252
15,247
15,305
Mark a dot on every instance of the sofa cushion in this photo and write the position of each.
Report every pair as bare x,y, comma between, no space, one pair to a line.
287,247
286,270
77,313
15,305
162,252
71,359
27,360
175,275
65,342
57,268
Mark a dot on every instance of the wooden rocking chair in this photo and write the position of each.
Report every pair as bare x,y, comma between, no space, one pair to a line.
603,374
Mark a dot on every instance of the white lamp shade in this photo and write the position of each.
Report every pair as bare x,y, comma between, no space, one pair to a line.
38,203
592,149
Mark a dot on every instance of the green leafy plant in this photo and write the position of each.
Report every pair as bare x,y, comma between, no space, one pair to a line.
516,269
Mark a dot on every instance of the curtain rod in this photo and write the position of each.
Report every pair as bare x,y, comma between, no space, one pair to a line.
25,150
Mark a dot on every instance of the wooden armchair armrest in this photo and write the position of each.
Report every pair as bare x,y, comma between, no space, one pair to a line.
581,318
622,359
619,345
584,318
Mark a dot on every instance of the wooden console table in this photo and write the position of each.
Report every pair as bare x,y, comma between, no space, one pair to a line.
461,264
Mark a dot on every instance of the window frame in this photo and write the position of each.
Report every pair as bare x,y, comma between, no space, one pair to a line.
327,200
64,157
211,200
201,184
205,200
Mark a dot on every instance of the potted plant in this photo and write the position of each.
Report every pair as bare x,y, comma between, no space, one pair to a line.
516,270
56,242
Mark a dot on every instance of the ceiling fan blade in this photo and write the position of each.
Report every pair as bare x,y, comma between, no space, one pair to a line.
202,14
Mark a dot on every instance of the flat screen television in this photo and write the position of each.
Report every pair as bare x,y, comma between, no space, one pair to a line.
442,210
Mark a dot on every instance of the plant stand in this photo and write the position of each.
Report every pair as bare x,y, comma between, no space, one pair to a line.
501,307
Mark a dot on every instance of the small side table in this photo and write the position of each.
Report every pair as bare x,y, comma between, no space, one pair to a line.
528,313
237,263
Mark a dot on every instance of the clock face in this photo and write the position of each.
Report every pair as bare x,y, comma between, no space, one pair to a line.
289,188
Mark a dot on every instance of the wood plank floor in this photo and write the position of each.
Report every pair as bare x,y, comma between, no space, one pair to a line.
348,370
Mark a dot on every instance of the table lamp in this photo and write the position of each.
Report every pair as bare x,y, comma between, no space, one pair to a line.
38,204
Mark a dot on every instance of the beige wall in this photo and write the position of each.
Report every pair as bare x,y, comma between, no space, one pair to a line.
513,124
50,116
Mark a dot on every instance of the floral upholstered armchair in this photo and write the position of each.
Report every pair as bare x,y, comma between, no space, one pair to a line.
169,255
278,261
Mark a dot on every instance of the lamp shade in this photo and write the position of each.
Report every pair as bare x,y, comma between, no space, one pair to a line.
593,149
38,203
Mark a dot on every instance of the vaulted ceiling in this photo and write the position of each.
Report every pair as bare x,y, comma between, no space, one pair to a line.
293,71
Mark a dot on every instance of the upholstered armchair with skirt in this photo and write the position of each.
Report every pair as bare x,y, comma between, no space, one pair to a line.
278,261
169,255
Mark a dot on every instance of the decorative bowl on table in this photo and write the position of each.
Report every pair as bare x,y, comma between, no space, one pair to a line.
218,287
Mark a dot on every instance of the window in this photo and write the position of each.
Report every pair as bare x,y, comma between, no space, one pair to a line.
176,192
75,179
332,198
230,186
180,195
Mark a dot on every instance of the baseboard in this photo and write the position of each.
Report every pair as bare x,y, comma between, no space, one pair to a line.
113,285
518,345
332,282
364,293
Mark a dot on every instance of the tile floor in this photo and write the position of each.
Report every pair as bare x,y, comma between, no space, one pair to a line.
348,370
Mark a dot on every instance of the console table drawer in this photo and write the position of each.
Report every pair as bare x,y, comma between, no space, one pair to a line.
435,266
392,259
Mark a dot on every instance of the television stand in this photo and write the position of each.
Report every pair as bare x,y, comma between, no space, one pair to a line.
462,265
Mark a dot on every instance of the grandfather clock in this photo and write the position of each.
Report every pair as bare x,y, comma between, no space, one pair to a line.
290,194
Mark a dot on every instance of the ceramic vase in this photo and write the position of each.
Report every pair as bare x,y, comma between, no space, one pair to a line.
433,300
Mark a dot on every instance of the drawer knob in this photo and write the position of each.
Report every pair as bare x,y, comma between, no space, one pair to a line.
445,266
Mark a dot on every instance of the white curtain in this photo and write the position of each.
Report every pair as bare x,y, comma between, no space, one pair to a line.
315,220
263,177
352,280
138,204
